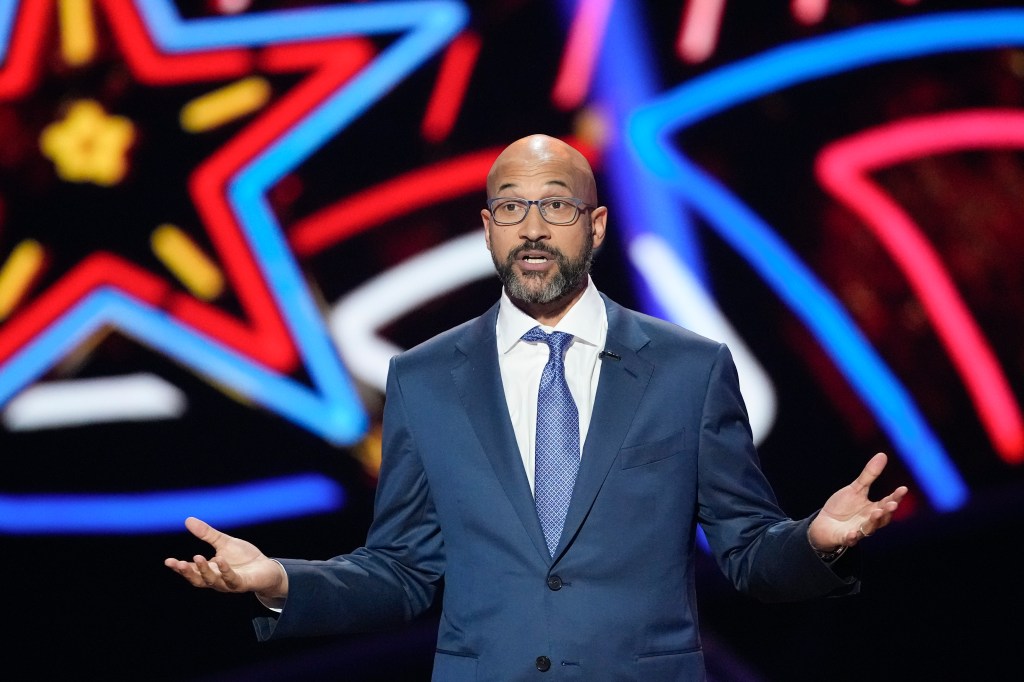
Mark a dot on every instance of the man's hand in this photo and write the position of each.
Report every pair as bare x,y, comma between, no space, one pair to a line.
237,566
849,516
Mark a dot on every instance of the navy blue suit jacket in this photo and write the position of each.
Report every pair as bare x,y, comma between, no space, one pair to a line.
669,446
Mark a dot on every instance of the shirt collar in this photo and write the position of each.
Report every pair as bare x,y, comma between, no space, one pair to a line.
585,320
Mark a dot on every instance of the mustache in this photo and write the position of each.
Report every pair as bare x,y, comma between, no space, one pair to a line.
534,246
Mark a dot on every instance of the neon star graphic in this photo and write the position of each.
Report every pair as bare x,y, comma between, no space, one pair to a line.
280,331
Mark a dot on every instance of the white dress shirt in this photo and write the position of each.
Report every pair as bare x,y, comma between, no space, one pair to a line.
521,363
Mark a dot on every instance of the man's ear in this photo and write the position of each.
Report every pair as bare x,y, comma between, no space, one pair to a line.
598,223
485,216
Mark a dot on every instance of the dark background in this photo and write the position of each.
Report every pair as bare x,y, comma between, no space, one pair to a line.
940,591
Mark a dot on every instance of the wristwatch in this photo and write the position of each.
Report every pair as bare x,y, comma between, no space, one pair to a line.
829,557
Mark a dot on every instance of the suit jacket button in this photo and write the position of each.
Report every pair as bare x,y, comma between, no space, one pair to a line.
543,663
554,583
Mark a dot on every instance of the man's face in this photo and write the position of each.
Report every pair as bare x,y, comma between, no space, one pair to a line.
538,262
537,285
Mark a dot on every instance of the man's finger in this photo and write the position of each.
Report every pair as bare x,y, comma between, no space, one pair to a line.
227,574
208,570
204,531
872,470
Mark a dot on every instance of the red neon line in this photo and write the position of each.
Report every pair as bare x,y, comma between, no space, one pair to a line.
151,66
207,186
809,12
398,196
98,269
699,29
344,54
577,69
390,199
842,169
450,89
20,68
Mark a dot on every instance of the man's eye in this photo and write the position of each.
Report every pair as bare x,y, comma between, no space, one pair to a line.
556,205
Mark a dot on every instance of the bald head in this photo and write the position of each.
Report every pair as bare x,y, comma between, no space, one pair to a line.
537,154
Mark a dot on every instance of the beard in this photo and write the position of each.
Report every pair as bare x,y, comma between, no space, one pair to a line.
568,278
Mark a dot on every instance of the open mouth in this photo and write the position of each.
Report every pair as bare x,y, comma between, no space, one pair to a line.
532,260
536,255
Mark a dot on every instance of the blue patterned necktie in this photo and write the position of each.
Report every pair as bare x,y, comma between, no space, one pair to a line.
558,438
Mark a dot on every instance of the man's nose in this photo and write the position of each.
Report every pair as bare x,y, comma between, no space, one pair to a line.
534,226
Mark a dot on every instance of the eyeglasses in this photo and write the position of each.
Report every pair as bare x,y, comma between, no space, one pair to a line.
555,210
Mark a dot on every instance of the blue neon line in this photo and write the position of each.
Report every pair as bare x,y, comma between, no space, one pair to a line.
626,78
7,13
813,58
650,128
173,34
344,106
295,304
247,192
224,507
335,417
33,359
815,305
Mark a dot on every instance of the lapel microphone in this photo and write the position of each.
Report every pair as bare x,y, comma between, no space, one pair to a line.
608,354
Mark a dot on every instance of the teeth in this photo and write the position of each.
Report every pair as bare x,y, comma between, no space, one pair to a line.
534,259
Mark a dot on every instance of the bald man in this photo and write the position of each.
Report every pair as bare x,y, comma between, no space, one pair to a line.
549,462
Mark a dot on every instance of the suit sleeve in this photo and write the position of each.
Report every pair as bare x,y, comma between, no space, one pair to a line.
395,576
763,552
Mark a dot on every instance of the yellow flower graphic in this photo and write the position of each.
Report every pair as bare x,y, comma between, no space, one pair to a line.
89,145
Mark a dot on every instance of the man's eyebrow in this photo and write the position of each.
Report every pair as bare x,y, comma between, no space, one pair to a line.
512,185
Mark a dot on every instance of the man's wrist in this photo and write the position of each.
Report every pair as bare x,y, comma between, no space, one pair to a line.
278,592
828,556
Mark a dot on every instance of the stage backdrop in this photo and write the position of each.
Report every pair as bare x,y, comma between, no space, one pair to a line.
220,219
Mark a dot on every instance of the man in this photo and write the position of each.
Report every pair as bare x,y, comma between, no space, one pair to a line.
475,485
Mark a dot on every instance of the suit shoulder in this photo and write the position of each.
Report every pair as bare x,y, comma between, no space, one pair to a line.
664,332
439,346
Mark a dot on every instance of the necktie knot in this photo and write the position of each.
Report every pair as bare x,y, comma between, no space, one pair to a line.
557,341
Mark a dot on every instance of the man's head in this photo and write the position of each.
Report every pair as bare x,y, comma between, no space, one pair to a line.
543,266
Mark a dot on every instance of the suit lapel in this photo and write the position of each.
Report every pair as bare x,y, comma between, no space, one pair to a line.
622,384
478,379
